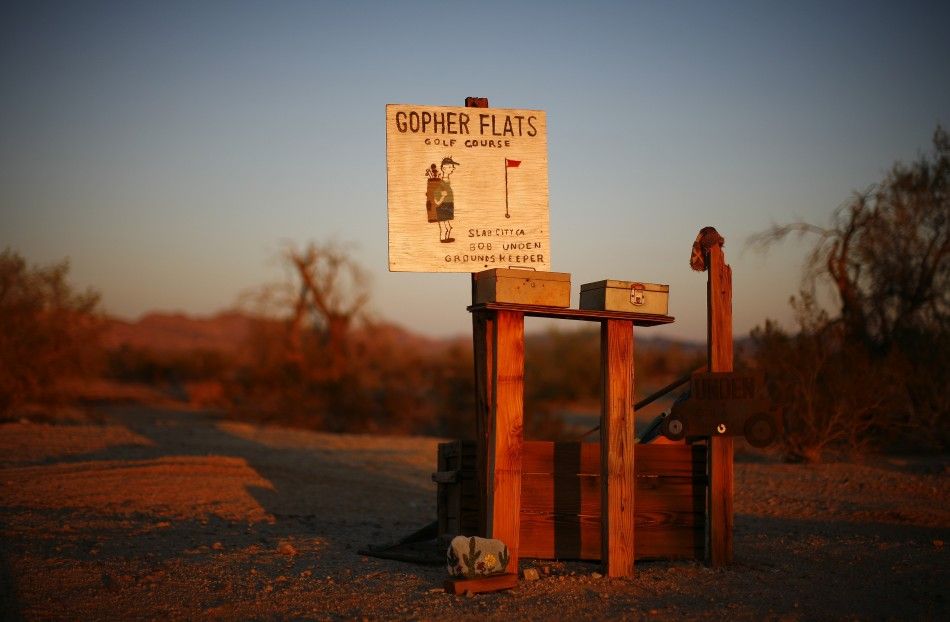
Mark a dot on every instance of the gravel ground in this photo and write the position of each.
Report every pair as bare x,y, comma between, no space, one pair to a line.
165,514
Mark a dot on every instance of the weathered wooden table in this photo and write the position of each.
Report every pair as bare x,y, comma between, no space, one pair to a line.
498,331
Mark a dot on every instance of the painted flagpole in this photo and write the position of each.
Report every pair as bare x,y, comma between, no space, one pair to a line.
507,215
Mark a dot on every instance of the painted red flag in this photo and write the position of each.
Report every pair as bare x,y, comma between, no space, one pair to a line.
512,163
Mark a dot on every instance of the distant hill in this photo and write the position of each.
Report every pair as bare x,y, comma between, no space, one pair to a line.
178,332
227,331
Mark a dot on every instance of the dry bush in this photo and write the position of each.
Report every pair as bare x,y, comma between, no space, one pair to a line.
49,332
314,359
832,394
886,256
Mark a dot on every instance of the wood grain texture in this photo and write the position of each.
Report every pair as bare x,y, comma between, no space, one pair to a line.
485,186
506,435
589,315
481,585
721,453
560,500
617,448
568,536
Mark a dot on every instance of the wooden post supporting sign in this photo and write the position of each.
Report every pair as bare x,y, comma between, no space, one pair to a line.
499,385
483,334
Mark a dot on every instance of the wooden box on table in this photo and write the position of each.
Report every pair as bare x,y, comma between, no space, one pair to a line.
523,287
628,296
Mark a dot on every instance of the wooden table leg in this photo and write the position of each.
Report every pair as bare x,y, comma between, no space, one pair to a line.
617,448
506,433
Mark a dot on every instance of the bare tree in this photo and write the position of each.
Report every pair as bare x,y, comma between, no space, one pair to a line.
333,291
887,252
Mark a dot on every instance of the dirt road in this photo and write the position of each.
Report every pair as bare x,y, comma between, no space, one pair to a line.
164,514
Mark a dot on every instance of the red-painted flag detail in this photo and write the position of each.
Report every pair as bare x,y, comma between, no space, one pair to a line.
512,163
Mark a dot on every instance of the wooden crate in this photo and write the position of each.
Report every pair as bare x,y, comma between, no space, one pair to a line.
560,499
457,499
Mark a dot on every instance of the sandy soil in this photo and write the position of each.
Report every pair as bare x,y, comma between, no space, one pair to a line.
164,514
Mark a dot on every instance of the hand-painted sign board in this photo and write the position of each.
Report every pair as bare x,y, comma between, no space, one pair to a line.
725,404
467,189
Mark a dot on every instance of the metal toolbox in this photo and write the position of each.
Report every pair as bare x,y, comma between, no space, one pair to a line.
523,287
629,296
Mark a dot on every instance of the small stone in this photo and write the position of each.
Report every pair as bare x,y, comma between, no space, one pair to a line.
546,570
217,546
268,588
286,548
938,544
596,575
163,524
469,594
436,590
531,574
306,573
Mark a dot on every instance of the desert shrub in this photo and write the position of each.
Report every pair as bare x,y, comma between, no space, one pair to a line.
832,393
133,364
49,331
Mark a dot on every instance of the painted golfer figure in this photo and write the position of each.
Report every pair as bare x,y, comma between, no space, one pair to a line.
440,201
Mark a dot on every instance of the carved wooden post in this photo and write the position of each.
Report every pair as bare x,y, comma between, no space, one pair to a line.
720,521
617,477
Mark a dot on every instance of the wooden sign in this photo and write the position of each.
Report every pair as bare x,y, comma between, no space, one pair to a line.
467,189
727,386
724,404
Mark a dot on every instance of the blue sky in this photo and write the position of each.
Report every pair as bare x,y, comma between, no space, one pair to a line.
171,149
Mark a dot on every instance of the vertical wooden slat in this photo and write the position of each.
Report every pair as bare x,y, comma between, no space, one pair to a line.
720,455
505,434
442,506
617,448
